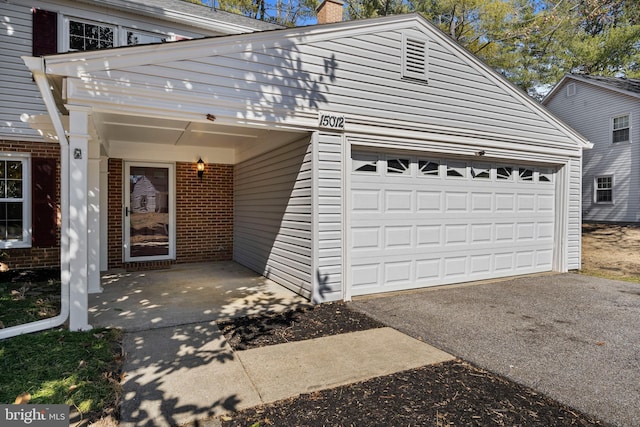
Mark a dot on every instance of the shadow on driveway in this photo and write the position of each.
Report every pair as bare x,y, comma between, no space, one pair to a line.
573,337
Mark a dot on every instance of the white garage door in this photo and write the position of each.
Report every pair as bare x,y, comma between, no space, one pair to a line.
420,221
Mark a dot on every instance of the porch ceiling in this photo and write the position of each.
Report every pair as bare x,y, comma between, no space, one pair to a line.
135,129
125,129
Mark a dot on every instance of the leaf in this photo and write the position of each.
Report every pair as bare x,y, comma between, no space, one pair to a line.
600,343
22,399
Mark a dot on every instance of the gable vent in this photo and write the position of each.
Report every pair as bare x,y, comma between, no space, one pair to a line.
414,57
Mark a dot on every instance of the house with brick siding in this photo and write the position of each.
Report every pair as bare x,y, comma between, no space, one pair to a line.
338,159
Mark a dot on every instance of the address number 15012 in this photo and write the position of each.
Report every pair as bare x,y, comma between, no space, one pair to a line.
331,121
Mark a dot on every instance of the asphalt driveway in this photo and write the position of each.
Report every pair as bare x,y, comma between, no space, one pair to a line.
575,338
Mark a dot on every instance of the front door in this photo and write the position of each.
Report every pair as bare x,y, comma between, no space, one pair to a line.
149,212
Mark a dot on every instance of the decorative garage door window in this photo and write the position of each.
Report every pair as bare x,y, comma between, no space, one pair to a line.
481,171
363,162
429,167
525,174
367,163
504,173
398,166
456,169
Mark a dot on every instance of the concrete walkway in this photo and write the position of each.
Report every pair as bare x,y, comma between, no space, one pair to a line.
179,374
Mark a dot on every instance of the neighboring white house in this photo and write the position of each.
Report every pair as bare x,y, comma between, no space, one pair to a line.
606,110
359,157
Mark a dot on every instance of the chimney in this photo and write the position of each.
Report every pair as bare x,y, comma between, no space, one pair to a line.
329,11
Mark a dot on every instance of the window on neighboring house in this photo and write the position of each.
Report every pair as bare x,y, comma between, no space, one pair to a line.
604,189
14,206
620,126
571,89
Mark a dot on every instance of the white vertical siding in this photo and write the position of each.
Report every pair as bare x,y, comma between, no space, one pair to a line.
328,202
18,93
273,215
589,111
574,227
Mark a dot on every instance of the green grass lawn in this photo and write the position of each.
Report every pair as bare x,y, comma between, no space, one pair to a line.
80,369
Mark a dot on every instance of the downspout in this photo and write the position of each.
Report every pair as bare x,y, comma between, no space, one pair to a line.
37,67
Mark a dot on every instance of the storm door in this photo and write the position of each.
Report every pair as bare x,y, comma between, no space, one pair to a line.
149,213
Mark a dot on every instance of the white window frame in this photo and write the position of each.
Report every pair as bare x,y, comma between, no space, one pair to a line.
25,242
119,31
571,90
612,129
595,190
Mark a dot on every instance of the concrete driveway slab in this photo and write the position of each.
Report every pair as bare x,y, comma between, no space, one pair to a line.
572,337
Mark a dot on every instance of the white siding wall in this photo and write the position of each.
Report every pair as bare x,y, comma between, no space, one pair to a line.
358,75
590,111
328,201
18,93
273,215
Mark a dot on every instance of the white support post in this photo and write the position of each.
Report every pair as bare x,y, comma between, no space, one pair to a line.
93,218
78,217
104,219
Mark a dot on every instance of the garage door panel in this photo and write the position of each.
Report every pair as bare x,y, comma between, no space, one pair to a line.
428,236
455,234
366,238
398,201
412,229
456,202
366,200
429,201
397,272
480,264
398,237
481,202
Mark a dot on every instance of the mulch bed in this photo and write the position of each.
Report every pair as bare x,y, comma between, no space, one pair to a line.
450,393
304,323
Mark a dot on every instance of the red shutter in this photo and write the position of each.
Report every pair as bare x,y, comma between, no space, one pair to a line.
44,206
44,32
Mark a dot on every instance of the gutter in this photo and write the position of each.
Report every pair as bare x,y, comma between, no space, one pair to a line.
37,67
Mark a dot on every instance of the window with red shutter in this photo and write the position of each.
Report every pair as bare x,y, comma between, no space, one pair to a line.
44,206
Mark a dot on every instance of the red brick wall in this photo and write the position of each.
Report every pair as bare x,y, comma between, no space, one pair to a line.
35,257
204,215
114,214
